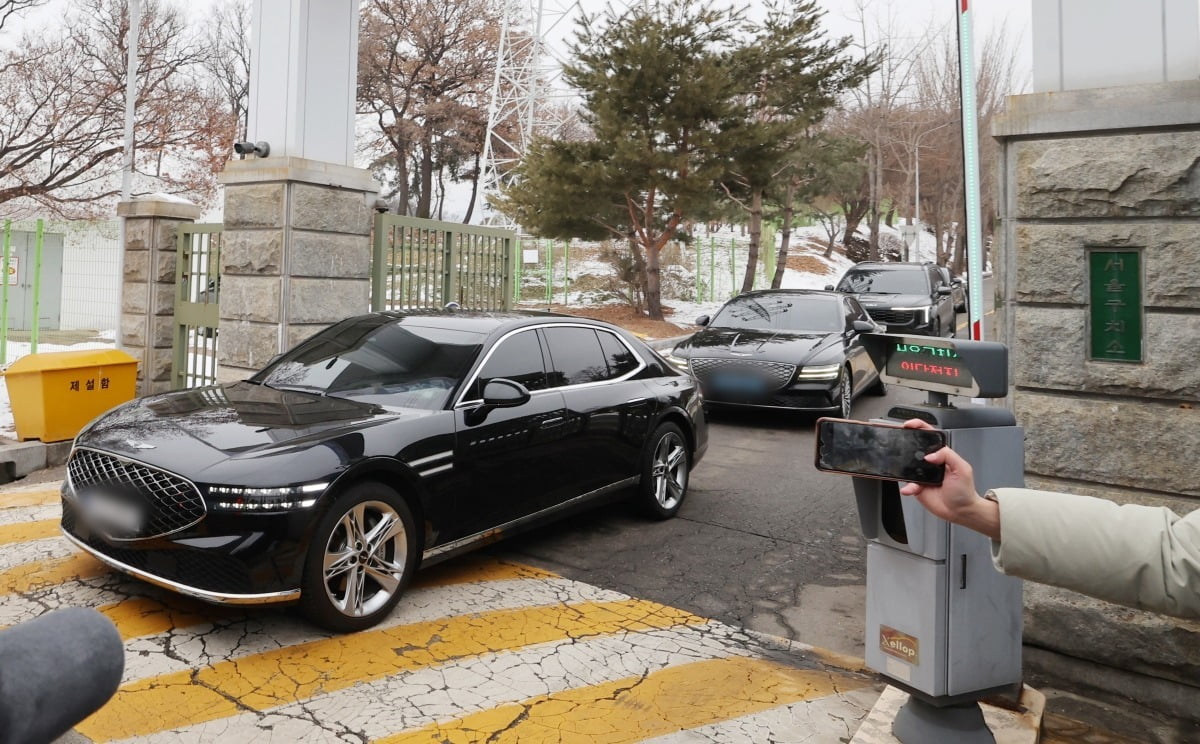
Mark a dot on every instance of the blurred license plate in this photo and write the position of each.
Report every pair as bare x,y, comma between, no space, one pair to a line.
106,511
735,383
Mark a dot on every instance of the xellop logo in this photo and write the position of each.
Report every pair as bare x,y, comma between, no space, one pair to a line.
901,645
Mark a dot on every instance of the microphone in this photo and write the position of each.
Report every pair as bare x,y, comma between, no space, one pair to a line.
56,670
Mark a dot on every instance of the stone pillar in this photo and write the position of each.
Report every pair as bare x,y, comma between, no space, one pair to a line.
148,288
1118,169
295,255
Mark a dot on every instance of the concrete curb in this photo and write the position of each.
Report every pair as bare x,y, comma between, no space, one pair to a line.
19,459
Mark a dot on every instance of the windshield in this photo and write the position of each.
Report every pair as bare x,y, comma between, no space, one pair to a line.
891,281
783,312
378,359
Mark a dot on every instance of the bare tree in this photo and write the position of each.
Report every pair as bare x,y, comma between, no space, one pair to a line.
425,70
62,111
226,34
875,111
941,162
11,8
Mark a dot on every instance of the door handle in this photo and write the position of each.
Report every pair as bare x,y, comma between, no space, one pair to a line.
552,422
634,401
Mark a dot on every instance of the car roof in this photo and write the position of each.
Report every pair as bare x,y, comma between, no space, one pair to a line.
485,321
891,265
815,292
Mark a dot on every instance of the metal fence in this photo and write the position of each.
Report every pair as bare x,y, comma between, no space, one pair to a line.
197,297
418,263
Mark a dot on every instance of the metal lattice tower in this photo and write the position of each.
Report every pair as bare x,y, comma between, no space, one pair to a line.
527,80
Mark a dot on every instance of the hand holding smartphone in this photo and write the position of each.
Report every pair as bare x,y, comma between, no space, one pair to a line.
880,451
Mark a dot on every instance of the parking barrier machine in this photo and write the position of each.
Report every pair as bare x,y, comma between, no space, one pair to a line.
942,623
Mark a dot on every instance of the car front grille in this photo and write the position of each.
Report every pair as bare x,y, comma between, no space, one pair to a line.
774,374
169,503
890,317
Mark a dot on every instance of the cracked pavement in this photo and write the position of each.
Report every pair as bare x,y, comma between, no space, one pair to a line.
479,649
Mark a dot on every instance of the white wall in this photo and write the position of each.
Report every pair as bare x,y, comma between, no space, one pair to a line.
1103,43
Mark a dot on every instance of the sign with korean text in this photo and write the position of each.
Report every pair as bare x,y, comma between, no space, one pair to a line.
14,265
1115,305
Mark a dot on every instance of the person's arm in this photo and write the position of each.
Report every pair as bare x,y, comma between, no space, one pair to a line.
1141,556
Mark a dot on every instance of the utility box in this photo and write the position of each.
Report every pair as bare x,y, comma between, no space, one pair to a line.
54,394
942,623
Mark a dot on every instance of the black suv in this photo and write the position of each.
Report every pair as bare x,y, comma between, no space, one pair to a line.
906,297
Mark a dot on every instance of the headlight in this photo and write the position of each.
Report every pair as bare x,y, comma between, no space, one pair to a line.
819,372
923,311
680,362
236,498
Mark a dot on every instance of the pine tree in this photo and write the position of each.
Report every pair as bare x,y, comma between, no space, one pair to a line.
660,91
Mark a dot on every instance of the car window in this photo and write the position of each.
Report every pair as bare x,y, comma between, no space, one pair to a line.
380,360
576,356
621,361
856,311
517,358
890,281
781,312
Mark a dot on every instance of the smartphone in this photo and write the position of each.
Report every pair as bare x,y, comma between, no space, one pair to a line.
879,451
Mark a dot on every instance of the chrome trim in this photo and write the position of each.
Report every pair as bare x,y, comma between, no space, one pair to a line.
494,531
471,380
432,458
190,591
438,469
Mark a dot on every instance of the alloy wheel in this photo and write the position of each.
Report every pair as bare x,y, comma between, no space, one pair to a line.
845,398
365,558
670,470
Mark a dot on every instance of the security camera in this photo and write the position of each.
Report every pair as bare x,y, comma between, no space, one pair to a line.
261,149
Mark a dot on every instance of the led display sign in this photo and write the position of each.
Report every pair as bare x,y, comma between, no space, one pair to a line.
920,363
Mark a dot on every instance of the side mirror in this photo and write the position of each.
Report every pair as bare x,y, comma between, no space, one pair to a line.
864,326
828,287
702,320
497,393
503,393
944,289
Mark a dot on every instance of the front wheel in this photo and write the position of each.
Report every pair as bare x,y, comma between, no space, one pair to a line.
362,556
666,464
845,393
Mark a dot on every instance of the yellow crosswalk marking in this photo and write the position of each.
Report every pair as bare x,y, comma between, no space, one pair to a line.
30,577
144,616
42,497
267,680
26,531
633,709
473,568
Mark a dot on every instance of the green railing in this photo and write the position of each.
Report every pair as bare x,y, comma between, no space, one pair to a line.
418,263
197,310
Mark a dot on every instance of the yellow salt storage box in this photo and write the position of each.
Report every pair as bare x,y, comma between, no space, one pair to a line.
54,394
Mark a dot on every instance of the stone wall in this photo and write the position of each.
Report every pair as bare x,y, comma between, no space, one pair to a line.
1115,168
295,255
148,286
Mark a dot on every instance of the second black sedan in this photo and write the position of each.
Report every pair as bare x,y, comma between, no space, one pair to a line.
783,348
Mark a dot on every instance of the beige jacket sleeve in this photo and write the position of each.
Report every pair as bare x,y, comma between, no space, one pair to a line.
1141,556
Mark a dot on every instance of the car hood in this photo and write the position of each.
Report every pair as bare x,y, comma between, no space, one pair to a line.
873,300
204,426
740,343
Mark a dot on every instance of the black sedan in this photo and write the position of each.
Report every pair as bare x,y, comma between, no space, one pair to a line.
385,442
783,348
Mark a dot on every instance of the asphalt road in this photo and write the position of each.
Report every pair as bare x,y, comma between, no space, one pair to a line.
764,541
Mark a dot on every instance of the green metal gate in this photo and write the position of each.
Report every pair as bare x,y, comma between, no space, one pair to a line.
197,293
418,263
